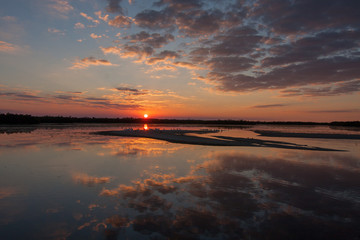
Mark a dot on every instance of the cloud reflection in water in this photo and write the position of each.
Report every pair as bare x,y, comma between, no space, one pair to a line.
240,196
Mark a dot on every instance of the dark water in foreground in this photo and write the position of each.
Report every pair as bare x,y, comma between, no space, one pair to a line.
64,183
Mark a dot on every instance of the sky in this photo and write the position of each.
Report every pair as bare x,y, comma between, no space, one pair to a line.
272,60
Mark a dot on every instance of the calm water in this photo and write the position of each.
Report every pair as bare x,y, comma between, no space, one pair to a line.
64,183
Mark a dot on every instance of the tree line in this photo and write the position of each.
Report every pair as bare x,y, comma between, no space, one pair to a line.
16,119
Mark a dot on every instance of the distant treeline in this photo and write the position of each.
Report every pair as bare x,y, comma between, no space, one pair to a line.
16,119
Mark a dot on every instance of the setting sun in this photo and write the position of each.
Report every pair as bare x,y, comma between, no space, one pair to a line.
146,116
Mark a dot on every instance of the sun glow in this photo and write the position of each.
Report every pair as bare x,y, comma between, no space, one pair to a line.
146,116
146,127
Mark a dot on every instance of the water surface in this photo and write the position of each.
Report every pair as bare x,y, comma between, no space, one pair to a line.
61,182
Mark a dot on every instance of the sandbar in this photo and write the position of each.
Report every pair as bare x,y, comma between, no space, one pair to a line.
267,133
181,136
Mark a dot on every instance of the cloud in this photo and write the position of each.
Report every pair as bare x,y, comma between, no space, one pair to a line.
9,48
89,18
91,61
242,47
120,21
130,51
163,56
307,48
289,17
94,36
114,6
229,64
22,96
186,65
126,89
154,40
56,31
105,18
341,88
112,50
79,26
269,106
155,20
60,8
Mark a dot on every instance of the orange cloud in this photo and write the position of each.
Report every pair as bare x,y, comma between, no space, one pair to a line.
94,36
9,47
105,18
91,61
89,18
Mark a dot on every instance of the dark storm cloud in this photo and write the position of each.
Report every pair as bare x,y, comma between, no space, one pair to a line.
114,6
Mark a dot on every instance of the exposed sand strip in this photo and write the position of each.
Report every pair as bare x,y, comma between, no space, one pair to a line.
306,135
179,136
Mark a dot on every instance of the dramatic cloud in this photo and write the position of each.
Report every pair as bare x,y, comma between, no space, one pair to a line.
90,61
249,47
336,89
